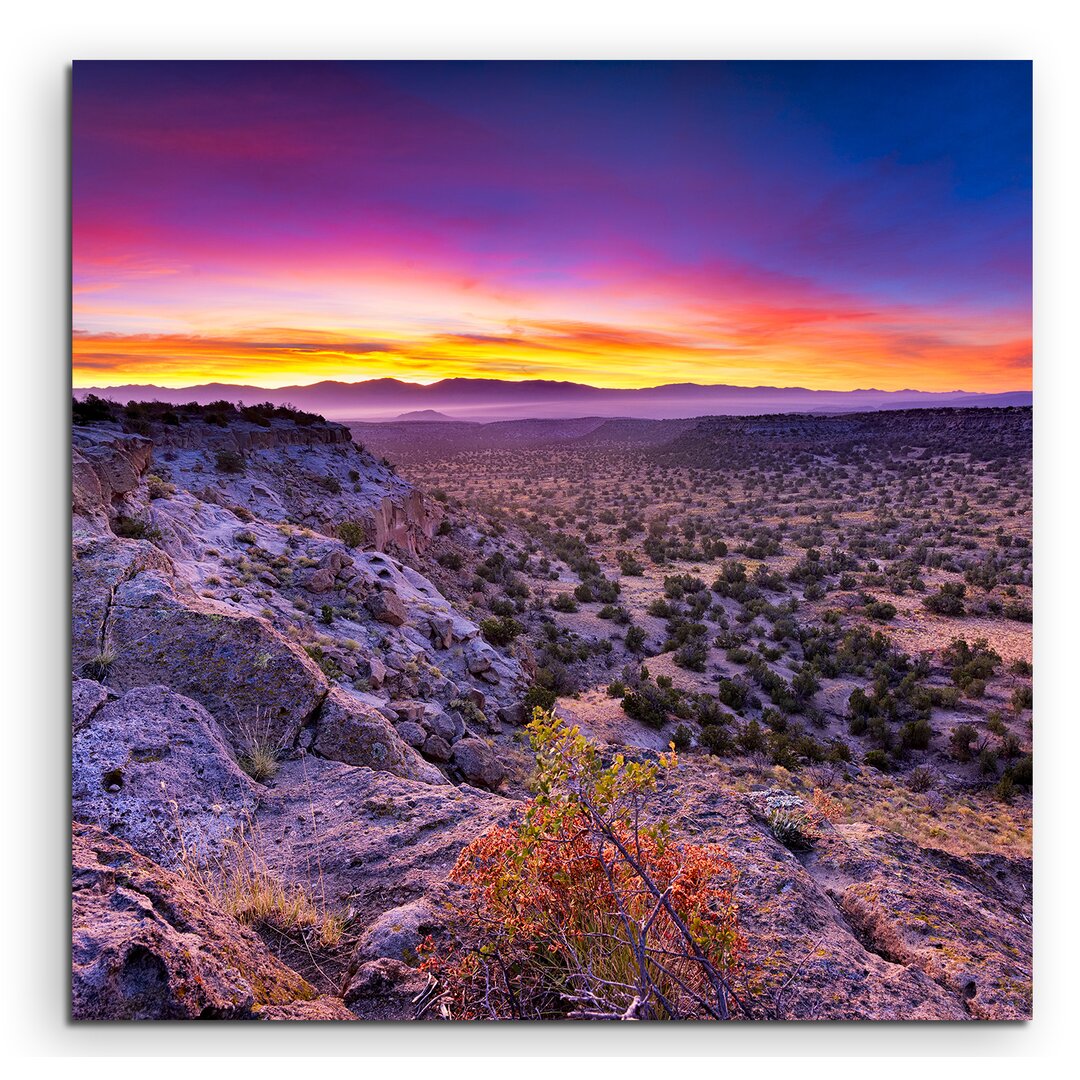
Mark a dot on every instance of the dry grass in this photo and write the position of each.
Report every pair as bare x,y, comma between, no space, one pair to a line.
243,884
260,762
98,666
261,755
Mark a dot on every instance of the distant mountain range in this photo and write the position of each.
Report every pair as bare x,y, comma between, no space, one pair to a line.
497,399
424,416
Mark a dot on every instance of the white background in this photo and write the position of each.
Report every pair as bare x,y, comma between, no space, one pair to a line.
39,42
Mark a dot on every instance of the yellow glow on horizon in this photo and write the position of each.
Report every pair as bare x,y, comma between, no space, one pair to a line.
820,359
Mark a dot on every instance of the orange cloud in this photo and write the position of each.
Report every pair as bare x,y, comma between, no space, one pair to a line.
785,347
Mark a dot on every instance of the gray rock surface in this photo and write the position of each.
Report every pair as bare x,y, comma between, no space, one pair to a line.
154,769
478,764
398,933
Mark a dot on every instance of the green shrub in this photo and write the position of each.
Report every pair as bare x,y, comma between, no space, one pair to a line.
500,631
1021,698
716,740
961,740
920,780
157,488
1017,610
90,409
229,461
351,533
948,600
916,735
881,610
878,759
645,707
131,528
751,738
691,656
539,697
682,737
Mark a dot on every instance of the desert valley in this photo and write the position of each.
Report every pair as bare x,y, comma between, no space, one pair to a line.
310,659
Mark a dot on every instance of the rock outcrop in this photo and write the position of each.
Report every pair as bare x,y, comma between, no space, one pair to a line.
374,841
351,731
154,769
105,465
148,944
867,925
196,649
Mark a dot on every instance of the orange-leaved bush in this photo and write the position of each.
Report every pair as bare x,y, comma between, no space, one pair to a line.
582,909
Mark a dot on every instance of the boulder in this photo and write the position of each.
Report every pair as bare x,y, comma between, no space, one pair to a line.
416,711
477,763
411,733
376,671
442,631
352,731
398,933
449,726
149,944
336,561
478,662
437,749
154,769
387,989
513,715
386,607
320,581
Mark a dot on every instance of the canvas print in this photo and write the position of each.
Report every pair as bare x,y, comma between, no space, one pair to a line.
551,541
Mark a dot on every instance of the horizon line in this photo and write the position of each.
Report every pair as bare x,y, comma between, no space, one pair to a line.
552,382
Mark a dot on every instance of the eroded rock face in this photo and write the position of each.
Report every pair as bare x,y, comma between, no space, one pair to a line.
867,925
353,732
148,944
963,920
256,684
409,523
154,769
105,464
99,566
377,840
